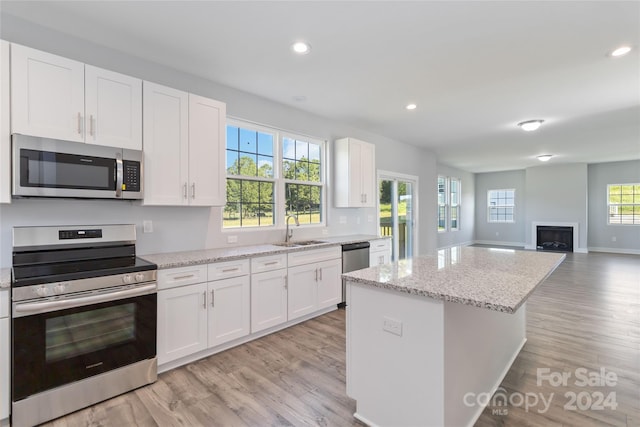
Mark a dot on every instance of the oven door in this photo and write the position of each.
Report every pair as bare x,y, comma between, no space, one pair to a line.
57,347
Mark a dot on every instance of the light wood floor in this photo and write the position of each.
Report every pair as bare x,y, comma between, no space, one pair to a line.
586,315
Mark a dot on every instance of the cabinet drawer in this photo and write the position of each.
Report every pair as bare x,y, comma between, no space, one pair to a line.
380,245
224,270
4,303
314,255
268,263
181,276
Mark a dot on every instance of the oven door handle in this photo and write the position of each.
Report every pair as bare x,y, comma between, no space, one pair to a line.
24,309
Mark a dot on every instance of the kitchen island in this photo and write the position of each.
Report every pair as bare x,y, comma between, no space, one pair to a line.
429,337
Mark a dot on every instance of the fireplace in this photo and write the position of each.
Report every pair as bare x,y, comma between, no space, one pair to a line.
554,238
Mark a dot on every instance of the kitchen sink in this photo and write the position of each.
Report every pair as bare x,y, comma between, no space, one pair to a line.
300,243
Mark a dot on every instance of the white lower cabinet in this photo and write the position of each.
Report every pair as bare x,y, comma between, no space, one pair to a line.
193,317
5,345
182,322
268,299
314,280
229,309
379,252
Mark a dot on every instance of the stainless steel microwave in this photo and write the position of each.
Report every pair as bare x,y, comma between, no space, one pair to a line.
45,167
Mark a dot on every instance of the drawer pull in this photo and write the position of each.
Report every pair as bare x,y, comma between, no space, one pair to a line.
186,276
271,263
229,270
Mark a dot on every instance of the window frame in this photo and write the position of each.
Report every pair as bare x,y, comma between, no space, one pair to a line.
489,206
444,205
457,205
278,180
635,204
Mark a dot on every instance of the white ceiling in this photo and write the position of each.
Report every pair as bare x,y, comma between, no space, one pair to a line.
475,69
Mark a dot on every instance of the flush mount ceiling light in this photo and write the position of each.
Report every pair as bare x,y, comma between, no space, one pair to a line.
411,106
301,48
621,51
530,125
545,157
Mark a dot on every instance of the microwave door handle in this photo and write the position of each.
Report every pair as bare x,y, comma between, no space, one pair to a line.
119,174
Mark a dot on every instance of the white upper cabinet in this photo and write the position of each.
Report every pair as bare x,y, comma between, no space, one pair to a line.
355,174
183,148
5,125
113,109
56,97
166,145
47,95
206,151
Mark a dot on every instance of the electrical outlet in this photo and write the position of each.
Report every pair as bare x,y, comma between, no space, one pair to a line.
325,231
497,233
232,239
370,218
147,226
613,238
392,325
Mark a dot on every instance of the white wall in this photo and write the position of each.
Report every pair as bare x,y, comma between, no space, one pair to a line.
466,232
185,228
508,234
601,234
557,193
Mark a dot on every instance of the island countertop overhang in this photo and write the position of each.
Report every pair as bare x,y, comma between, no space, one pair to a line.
495,279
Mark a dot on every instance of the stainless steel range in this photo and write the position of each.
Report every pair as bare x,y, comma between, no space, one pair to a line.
83,319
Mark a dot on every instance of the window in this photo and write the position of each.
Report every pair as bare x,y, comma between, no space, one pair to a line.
501,205
264,184
623,203
442,203
454,219
302,166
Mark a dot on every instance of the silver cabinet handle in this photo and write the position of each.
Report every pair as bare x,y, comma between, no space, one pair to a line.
193,190
204,300
229,270
91,126
320,274
186,276
184,191
213,298
286,282
270,263
79,124
316,274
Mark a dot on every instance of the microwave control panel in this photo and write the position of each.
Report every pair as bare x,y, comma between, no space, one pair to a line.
131,179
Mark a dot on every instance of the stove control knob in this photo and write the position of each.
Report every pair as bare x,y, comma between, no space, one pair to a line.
59,288
139,277
42,291
127,278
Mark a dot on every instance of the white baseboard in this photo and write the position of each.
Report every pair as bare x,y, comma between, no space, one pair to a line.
499,243
470,242
577,250
616,250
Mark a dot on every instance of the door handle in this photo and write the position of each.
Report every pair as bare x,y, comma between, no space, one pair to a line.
320,274
193,190
184,191
213,298
79,123
204,300
91,126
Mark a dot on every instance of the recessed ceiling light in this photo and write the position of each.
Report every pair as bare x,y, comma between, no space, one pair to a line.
545,157
530,125
411,106
621,51
301,48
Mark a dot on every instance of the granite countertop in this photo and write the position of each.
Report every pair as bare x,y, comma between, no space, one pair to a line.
206,256
496,279
5,278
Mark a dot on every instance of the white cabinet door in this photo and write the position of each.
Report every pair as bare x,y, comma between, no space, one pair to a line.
207,172
354,172
379,258
268,299
113,109
368,175
5,125
182,322
229,313
165,142
47,95
5,345
302,290
329,283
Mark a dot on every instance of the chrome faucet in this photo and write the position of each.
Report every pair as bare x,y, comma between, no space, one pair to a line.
289,233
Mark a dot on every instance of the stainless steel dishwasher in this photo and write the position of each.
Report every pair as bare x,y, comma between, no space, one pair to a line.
355,256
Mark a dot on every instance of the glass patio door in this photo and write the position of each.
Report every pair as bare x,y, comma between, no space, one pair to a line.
398,206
